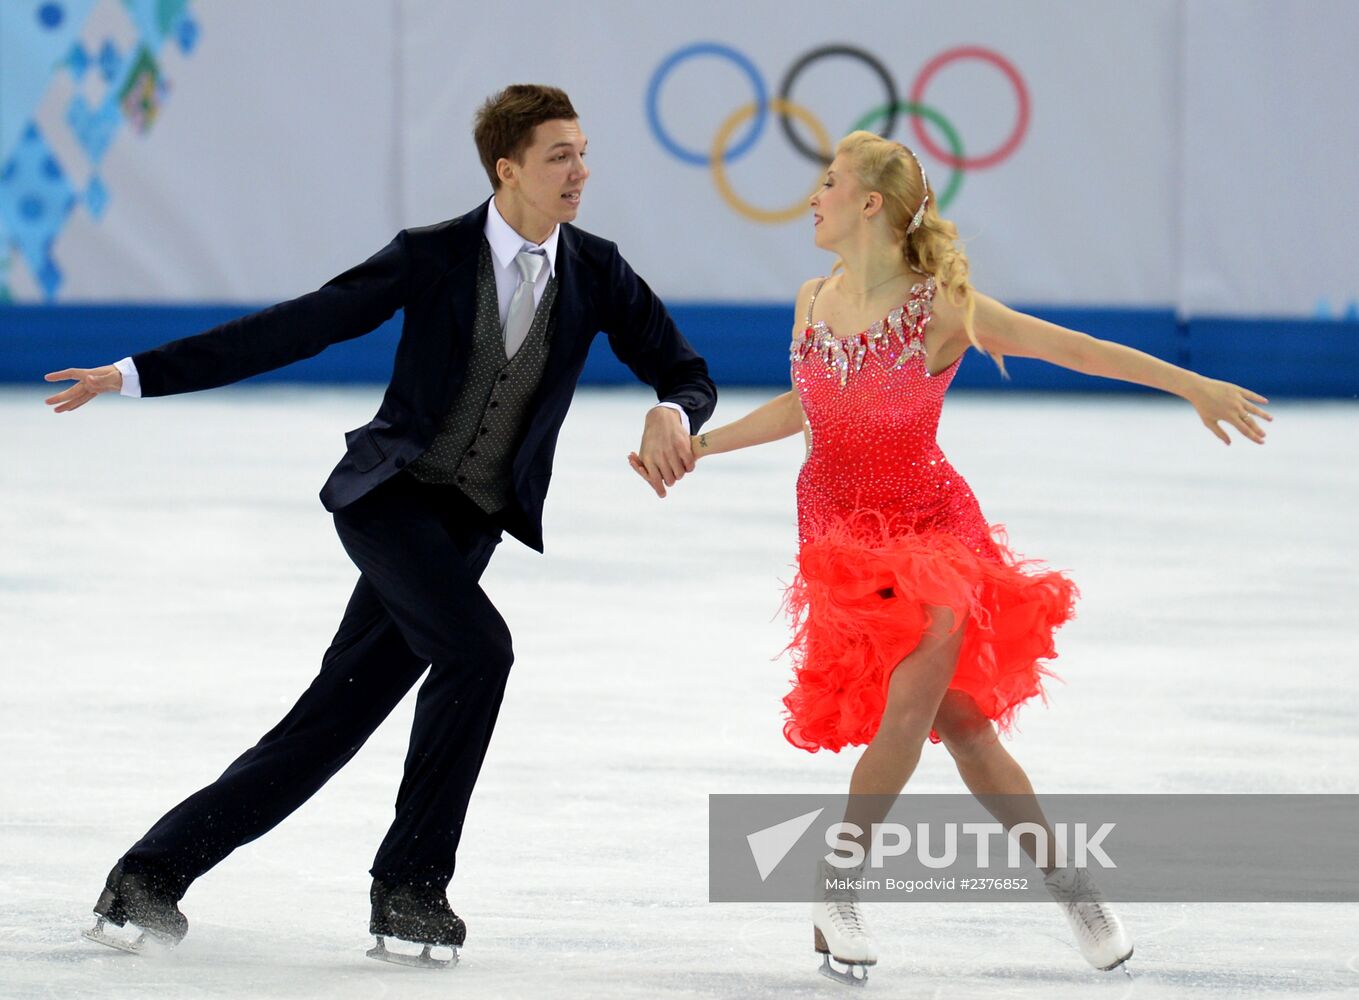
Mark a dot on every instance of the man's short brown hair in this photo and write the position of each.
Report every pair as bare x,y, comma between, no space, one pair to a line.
504,125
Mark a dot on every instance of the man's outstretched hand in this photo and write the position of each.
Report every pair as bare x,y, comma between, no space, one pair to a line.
665,453
89,382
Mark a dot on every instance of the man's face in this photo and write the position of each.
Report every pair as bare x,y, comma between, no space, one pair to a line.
549,181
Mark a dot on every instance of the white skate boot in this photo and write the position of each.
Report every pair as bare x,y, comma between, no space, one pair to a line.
839,928
1102,938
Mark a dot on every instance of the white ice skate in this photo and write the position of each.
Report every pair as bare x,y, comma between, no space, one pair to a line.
839,928
1102,938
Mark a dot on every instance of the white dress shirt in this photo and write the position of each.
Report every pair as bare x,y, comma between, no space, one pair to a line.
505,246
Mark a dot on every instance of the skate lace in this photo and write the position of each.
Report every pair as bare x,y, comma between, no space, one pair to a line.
844,908
1087,905
847,915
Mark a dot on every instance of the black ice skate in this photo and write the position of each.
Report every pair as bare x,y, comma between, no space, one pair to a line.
139,900
419,914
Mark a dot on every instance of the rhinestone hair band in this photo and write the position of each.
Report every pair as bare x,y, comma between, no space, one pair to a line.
925,186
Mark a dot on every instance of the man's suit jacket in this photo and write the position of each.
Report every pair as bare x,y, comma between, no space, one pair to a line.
431,273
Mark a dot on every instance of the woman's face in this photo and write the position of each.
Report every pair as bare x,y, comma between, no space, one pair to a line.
837,206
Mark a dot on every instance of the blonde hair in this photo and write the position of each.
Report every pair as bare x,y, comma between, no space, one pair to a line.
933,248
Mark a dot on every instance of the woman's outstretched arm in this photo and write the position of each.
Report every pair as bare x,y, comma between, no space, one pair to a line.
779,418
1006,331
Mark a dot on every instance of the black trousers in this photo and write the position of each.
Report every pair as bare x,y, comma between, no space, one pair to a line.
421,551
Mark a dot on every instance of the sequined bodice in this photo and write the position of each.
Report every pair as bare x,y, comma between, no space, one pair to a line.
891,341
872,411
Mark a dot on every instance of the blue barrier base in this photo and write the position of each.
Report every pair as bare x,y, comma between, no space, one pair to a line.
744,345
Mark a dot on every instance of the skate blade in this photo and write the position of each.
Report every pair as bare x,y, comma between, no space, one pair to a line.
424,960
1119,964
97,934
853,974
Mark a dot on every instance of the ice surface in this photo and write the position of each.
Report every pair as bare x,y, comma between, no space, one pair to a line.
168,582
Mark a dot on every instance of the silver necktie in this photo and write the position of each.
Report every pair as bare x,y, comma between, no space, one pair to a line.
520,316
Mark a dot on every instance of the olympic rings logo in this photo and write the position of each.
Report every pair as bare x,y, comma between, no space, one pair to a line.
882,118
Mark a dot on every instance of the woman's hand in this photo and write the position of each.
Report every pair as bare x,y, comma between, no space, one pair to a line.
696,450
1221,401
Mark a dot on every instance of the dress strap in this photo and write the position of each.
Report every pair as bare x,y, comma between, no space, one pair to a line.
811,303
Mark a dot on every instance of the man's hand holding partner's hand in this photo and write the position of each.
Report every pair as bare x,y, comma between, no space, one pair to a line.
665,453
89,382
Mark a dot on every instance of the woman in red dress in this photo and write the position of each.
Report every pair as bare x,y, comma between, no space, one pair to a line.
913,619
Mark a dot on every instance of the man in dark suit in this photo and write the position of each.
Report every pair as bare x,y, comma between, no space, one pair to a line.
500,307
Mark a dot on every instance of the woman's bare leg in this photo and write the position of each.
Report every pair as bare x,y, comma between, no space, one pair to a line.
913,695
988,770
1002,787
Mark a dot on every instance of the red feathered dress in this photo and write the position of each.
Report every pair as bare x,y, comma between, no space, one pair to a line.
887,528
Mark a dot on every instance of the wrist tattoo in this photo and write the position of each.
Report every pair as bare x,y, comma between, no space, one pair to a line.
703,440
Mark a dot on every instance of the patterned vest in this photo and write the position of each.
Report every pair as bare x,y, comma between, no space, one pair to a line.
475,446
